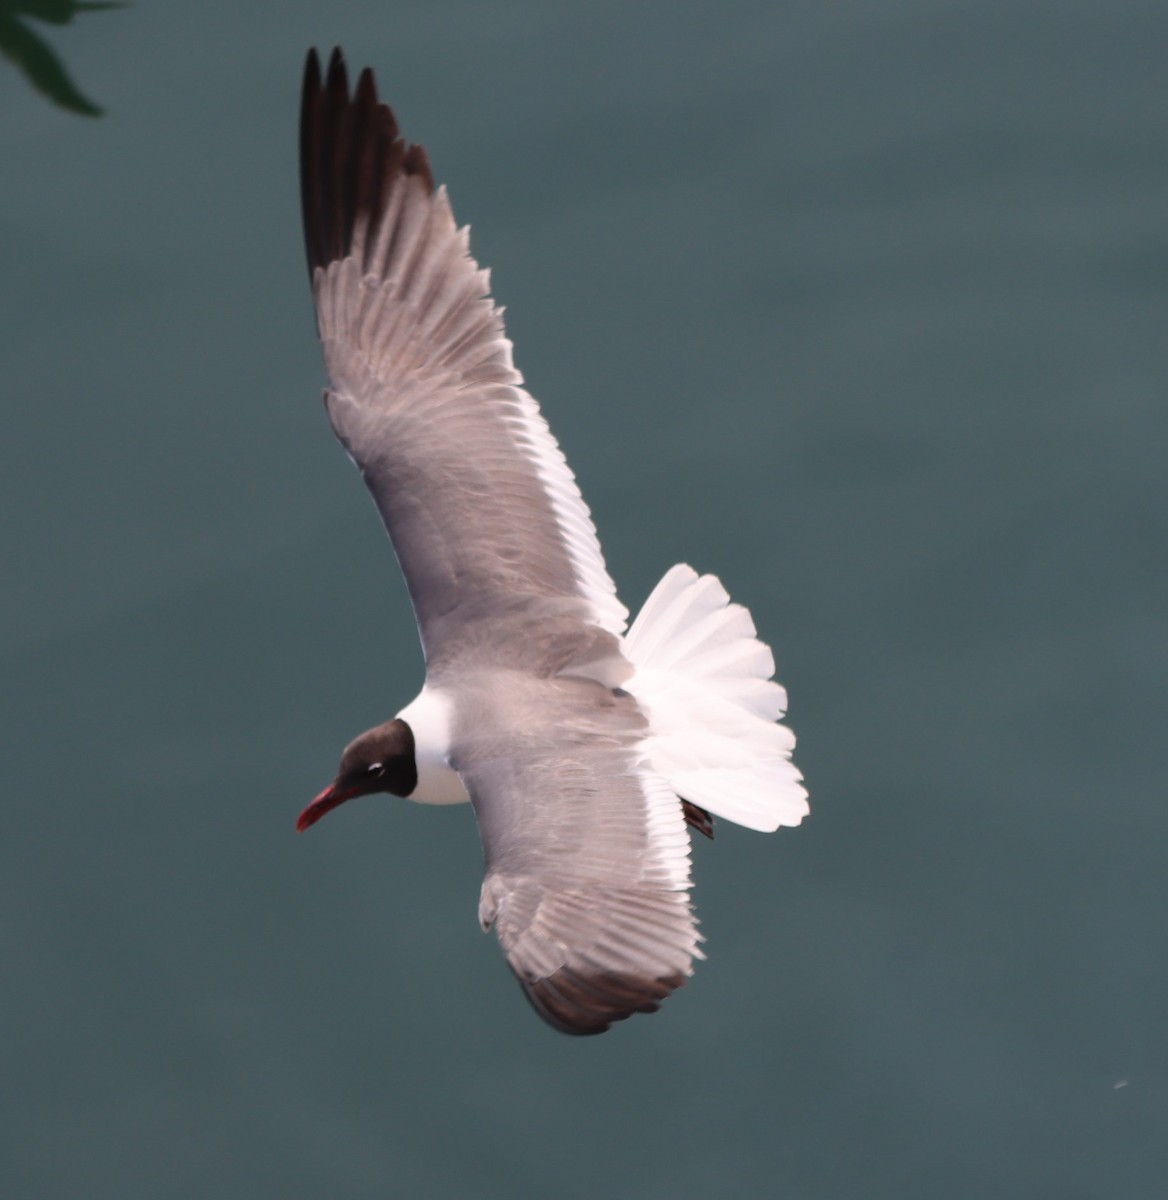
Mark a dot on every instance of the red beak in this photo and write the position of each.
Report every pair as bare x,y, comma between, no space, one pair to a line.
329,799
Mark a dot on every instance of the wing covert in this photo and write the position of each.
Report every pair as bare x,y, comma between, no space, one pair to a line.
587,860
477,498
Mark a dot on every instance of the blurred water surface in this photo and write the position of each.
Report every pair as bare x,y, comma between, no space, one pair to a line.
860,306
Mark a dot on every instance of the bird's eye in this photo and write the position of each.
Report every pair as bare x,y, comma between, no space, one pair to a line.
374,768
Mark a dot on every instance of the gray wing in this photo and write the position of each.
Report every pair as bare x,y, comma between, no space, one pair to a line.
481,507
587,856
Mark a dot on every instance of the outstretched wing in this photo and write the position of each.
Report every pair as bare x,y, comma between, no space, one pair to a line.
587,866
482,509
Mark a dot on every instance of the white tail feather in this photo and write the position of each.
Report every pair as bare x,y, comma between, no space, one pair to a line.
704,681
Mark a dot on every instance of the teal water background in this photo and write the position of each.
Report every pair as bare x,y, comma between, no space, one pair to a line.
861,307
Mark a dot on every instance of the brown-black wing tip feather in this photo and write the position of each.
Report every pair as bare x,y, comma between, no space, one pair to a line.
350,153
309,152
417,162
697,818
585,1005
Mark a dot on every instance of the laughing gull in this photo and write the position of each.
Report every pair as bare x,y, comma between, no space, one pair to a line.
584,750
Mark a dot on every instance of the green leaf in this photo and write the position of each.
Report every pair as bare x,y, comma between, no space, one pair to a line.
41,67
54,12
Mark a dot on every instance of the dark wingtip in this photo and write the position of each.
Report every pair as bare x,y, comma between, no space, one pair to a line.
697,818
417,162
337,82
312,66
366,90
309,149
350,153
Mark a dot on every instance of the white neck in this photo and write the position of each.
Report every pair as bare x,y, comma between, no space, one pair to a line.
428,717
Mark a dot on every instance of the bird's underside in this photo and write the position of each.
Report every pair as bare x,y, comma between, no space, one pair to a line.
584,835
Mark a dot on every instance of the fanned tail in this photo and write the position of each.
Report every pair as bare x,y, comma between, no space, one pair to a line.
704,680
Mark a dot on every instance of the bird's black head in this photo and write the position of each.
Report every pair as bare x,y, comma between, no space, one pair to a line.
380,760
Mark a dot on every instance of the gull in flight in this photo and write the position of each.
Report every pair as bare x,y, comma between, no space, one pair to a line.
586,748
